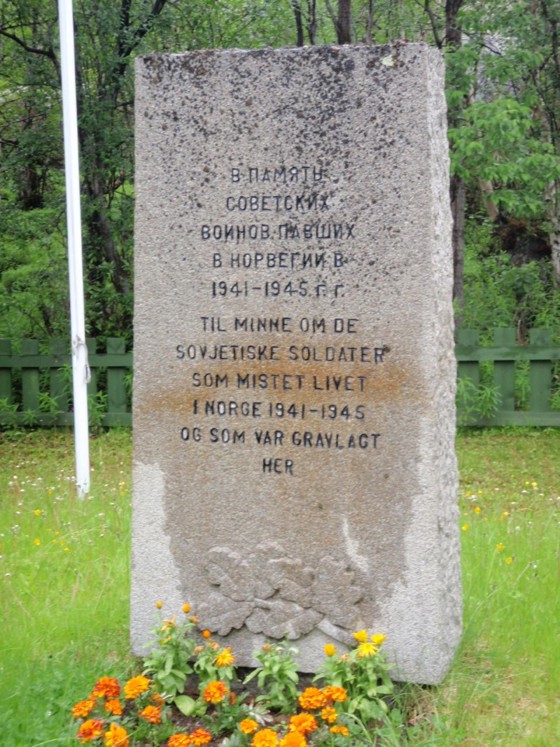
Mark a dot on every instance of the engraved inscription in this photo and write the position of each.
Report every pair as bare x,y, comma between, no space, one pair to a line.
250,374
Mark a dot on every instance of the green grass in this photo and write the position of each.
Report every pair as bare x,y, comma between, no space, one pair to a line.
65,571
65,577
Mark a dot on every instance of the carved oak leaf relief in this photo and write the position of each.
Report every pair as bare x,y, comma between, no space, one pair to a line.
334,592
222,614
279,596
280,619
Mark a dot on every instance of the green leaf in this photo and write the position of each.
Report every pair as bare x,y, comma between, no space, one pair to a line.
185,704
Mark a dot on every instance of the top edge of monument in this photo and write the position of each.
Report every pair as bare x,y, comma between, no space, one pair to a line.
327,49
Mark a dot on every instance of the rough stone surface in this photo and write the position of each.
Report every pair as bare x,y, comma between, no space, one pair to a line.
294,370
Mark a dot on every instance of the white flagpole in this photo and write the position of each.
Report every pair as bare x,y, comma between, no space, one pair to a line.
80,368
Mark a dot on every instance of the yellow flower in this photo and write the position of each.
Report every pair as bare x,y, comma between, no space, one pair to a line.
186,608
500,547
361,636
465,527
329,649
509,560
116,736
365,650
342,730
159,605
136,686
378,638
37,541
534,485
37,512
477,509
225,658
248,726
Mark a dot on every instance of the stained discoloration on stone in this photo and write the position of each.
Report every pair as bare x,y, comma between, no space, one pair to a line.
294,366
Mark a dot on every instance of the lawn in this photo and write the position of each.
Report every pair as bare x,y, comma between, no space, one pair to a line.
64,565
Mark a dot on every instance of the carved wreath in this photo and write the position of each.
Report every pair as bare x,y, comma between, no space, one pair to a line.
276,595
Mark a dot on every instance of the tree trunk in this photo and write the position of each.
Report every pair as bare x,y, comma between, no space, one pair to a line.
369,25
344,22
311,20
299,23
457,190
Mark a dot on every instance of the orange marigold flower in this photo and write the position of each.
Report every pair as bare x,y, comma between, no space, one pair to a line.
342,730
152,714
336,694
83,708
114,707
293,739
329,715
186,608
136,686
200,737
312,698
106,687
225,658
90,730
215,691
361,636
305,723
117,736
248,726
179,740
206,634
265,738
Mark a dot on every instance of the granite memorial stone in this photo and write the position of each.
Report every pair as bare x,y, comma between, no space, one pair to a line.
294,468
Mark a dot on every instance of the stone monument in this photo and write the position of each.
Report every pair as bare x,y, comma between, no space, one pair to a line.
294,375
